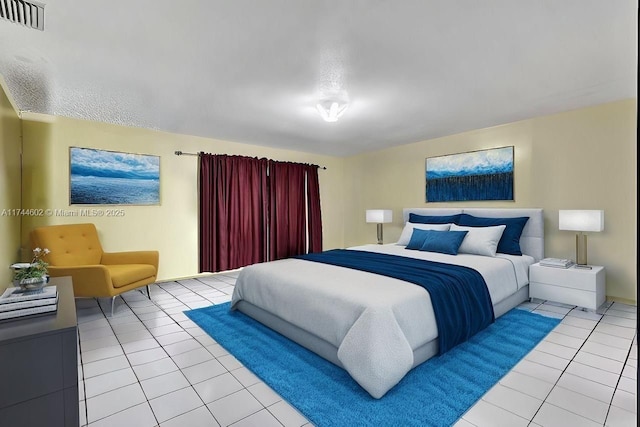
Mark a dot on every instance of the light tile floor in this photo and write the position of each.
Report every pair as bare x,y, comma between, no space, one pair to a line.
149,365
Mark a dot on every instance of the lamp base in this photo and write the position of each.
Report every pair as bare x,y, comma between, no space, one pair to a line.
583,266
379,234
581,249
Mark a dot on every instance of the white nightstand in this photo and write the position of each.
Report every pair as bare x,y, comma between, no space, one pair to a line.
575,286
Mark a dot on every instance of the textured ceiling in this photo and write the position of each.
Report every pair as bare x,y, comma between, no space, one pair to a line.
252,70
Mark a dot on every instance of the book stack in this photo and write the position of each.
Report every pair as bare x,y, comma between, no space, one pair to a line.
16,302
556,262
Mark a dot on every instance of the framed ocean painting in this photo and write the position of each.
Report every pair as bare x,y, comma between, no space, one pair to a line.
101,177
475,175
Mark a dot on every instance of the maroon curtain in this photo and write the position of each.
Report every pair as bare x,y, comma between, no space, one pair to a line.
287,219
233,211
313,209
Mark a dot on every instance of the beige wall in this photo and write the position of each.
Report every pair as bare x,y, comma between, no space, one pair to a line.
172,227
10,130
583,159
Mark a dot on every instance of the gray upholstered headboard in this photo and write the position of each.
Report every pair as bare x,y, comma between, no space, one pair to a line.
532,239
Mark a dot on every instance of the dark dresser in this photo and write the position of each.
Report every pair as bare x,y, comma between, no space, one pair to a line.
39,365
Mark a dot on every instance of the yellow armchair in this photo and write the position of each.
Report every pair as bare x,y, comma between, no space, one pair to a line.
75,251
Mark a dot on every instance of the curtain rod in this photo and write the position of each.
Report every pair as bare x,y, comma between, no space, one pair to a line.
181,153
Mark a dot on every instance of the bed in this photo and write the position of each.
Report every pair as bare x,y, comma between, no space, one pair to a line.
376,327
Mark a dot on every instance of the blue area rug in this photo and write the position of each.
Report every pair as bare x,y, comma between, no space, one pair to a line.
435,393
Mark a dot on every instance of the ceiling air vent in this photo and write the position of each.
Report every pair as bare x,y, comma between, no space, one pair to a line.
28,13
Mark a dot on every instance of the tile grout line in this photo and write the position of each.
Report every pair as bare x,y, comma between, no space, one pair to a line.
169,356
215,358
130,365
128,361
565,369
498,382
185,328
264,406
573,359
148,401
84,385
615,389
519,391
86,406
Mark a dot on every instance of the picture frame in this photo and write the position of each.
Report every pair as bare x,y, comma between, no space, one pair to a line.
104,177
473,175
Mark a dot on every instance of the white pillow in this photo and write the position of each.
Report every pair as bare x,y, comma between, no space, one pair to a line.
480,240
408,230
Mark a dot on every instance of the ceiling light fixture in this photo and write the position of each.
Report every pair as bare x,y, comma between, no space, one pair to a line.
331,110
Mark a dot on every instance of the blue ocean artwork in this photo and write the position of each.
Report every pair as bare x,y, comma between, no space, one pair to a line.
476,175
100,177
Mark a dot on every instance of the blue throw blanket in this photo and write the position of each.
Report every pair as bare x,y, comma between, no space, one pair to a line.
459,295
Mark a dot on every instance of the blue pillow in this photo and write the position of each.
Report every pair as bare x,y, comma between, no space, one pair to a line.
427,219
417,239
510,241
444,242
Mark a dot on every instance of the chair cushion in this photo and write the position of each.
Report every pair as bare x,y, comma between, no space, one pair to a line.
122,275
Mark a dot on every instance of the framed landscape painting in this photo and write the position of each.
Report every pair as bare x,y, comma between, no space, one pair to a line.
101,177
476,175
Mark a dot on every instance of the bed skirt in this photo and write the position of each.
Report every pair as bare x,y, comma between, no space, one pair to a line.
329,352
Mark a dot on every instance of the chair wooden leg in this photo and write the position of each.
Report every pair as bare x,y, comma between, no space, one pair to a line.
148,292
112,303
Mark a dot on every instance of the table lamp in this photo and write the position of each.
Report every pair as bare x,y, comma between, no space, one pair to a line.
581,221
379,216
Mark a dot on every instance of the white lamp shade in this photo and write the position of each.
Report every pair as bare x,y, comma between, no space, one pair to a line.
379,216
581,220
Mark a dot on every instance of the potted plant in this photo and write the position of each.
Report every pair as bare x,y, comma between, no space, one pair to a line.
33,275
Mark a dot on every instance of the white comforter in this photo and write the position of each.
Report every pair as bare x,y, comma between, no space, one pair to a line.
375,321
